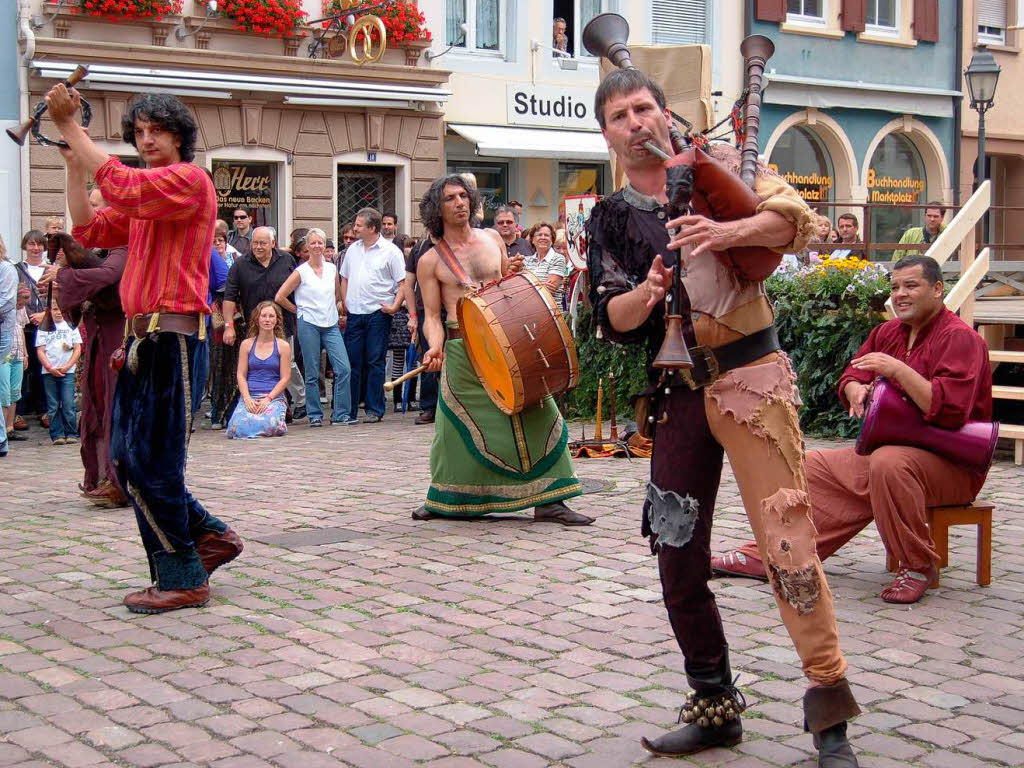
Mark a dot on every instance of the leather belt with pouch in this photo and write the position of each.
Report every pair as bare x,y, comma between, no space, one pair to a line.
708,366
141,326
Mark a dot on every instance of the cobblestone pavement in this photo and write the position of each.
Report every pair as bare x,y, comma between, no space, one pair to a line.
380,642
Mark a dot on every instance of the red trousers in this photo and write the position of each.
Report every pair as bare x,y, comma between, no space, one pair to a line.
893,486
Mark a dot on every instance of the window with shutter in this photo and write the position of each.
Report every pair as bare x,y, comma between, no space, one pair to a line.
679,22
806,11
992,21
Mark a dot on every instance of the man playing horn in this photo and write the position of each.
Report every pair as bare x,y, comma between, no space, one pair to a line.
744,403
166,213
941,363
481,460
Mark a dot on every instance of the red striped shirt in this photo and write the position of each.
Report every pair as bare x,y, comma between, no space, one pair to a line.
167,216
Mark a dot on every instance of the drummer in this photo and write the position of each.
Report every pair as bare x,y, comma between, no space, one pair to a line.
941,363
481,461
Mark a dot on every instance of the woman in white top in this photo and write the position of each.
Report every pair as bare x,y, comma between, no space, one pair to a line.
317,304
546,264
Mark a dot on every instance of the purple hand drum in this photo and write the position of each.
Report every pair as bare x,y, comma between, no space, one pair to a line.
891,418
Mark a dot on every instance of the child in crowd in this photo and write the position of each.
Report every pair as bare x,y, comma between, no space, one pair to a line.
58,351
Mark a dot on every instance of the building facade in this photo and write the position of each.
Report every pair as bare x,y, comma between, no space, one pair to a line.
10,115
520,116
997,25
861,103
298,141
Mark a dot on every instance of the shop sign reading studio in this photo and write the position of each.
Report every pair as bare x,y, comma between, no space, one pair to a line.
551,106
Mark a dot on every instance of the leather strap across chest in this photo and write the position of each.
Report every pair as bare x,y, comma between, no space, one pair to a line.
452,262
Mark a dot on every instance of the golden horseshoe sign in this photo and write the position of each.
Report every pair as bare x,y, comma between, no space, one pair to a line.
366,52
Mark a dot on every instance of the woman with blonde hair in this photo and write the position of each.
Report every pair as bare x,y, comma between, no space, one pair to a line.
264,370
318,306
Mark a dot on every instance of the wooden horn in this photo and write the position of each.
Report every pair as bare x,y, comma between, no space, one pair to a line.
606,35
20,134
756,50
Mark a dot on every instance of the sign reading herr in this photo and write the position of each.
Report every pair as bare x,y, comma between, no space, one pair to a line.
551,106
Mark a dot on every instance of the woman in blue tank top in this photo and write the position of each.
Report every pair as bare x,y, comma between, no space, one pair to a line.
264,369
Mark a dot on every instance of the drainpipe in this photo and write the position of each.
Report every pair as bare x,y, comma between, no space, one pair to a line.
29,39
958,100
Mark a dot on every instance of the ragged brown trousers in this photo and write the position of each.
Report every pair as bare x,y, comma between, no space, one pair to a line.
750,413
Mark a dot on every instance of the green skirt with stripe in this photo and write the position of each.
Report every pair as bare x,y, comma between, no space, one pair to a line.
484,461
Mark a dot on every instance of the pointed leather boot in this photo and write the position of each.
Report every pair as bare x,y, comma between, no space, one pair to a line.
834,750
826,711
693,738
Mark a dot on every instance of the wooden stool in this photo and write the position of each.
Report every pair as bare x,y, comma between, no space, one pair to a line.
941,518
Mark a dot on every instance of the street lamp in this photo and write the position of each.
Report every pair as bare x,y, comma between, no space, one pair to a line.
982,75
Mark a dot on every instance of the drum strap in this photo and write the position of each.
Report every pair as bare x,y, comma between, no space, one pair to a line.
451,260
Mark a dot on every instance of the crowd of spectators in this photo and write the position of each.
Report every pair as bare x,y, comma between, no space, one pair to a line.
291,329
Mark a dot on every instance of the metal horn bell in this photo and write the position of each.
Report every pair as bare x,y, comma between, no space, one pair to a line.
606,35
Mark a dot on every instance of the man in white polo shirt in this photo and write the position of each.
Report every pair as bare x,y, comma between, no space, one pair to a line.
371,283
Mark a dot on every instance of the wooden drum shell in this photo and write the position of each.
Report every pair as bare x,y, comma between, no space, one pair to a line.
518,342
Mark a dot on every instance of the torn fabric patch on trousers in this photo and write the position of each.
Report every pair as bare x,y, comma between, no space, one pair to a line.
670,516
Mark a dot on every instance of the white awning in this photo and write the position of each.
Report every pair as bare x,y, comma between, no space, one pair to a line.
823,93
221,84
503,141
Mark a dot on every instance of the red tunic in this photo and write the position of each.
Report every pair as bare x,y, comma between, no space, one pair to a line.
167,216
947,352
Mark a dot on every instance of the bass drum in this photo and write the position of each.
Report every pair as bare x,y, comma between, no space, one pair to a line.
518,342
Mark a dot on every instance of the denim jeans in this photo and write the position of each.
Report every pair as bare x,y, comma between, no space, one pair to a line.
313,338
60,405
366,339
200,372
148,445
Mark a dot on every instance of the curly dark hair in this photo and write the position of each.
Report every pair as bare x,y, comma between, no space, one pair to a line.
430,205
167,111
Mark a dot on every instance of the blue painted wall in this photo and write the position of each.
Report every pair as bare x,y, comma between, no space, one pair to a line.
927,65
8,60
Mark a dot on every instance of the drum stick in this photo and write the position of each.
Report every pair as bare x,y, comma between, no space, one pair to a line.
389,385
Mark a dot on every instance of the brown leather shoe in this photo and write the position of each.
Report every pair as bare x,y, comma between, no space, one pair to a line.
106,495
20,424
425,417
155,600
557,512
215,549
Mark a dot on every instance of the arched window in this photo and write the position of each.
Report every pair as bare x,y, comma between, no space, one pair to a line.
803,160
896,175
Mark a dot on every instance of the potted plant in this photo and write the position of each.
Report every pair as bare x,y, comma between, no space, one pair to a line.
129,10
273,18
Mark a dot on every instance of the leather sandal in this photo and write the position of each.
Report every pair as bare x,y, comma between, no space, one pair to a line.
557,512
736,563
908,586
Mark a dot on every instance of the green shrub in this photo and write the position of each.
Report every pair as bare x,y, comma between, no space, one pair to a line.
598,358
824,312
